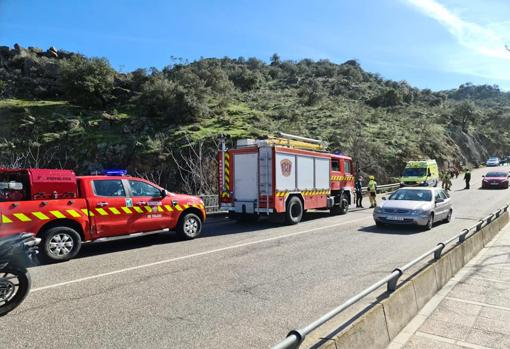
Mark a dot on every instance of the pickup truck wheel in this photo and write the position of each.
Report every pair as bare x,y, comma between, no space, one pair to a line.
60,244
294,211
189,226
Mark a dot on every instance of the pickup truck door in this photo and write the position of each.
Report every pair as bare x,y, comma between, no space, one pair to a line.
158,212
106,207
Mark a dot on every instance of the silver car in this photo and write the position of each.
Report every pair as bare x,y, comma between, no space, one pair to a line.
414,206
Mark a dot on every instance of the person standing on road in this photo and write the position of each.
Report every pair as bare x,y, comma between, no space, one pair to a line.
372,191
442,176
358,187
447,181
467,178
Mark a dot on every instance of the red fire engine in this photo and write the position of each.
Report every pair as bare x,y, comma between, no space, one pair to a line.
65,210
288,174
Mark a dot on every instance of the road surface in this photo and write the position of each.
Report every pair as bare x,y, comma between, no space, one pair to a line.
239,286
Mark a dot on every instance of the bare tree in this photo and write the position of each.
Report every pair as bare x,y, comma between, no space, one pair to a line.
35,156
196,163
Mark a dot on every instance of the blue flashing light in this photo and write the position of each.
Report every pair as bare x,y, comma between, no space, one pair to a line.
115,172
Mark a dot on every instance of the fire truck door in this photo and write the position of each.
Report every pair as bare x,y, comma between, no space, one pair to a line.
106,205
148,199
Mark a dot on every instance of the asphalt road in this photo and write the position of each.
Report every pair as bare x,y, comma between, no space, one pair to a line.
239,286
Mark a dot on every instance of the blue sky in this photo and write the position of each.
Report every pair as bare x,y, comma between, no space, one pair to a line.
436,44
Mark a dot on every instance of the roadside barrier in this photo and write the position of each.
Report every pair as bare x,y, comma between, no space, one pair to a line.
211,203
376,327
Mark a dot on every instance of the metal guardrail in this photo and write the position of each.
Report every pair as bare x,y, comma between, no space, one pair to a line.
211,202
383,188
296,337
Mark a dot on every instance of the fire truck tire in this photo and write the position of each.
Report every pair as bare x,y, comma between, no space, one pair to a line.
60,244
189,226
342,207
294,211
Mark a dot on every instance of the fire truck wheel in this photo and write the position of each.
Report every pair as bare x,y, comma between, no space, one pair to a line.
294,211
189,226
342,207
60,244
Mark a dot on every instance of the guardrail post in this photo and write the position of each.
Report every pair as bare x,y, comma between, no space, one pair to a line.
462,236
392,284
437,253
300,338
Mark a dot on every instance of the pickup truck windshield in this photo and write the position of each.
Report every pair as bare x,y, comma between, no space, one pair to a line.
414,172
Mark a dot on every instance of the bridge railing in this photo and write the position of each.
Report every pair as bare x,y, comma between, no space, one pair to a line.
296,337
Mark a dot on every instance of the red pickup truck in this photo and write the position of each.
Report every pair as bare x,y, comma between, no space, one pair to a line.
65,210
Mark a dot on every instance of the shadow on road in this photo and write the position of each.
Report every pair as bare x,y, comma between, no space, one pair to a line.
214,226
392,230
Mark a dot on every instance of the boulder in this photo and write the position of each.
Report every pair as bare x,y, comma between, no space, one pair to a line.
52,51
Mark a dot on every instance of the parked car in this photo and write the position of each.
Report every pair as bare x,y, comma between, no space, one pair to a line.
414,206
495,180
65,210
493,161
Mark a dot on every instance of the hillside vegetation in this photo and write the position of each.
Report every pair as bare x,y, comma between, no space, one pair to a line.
66,110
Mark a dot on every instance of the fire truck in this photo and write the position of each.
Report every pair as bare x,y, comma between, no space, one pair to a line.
286,174
65,210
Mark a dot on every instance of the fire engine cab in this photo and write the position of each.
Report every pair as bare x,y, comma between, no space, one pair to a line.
286,174
66,210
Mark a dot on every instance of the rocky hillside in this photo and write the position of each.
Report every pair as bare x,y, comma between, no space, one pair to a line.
63,109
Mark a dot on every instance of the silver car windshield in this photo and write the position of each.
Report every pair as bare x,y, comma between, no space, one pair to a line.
412,195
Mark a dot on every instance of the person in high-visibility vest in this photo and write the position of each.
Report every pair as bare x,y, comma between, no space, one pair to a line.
372,191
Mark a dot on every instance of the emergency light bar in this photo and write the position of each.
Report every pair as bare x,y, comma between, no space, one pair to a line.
115,172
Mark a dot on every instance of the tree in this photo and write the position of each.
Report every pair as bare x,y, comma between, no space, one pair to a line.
275,59
312,92
464,114
171,101
87,81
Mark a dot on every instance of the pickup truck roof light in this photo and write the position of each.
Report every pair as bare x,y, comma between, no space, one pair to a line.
115,172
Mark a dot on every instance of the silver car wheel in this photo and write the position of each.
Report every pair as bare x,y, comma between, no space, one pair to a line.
60,244
191,226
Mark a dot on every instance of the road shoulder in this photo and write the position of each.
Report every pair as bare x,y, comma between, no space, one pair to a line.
472,310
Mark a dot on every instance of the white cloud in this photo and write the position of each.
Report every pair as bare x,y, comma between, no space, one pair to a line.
487,41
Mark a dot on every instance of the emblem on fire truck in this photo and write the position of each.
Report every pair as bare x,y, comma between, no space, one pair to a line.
286,165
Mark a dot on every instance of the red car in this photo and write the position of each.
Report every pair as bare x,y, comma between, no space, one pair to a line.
495,180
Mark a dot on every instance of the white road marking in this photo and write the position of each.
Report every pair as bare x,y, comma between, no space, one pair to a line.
194,255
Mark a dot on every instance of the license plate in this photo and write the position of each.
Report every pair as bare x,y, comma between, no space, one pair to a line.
494,183
395,218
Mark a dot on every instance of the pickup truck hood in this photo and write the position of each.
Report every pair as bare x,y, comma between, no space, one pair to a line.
185,199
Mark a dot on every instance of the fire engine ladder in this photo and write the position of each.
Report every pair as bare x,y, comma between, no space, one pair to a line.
297,142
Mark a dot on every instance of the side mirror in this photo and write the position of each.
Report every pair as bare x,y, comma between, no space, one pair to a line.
384,197
483,176
439,200
164,193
